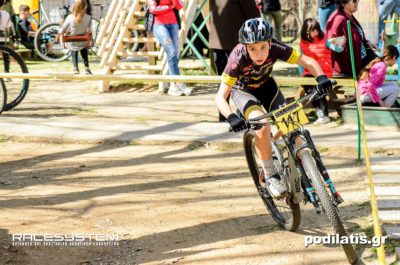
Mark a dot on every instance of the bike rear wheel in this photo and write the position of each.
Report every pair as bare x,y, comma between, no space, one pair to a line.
16,88
46,46
283,211
329,207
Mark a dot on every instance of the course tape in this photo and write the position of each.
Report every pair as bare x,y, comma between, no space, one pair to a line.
283,81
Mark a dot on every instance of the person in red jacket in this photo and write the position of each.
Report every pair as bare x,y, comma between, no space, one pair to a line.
313,44
166,31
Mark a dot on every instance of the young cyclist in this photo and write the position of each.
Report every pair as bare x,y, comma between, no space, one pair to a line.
248,79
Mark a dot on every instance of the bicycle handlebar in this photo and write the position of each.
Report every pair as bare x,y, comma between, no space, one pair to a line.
308,97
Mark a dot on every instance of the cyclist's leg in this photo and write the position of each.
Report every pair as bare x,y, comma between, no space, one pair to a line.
251,107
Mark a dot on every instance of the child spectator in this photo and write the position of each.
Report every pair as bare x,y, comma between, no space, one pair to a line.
371,81
313,44
25,28
77,24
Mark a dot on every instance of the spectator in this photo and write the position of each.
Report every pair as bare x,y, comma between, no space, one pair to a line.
77,24
386,8
6,27
88,6
166,31
224,29
325,10
336,29
313,44
371,82
25,28
272,9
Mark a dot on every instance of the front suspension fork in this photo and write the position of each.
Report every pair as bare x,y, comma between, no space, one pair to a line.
322,169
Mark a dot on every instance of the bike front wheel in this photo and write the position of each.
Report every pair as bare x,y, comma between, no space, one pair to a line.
326,202
46,46
283,211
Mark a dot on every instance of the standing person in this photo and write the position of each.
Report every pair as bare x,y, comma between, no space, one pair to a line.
227,17
6,27
77,24
272,9
248,78
371,81
325,10
166,31
386,8
313,44
336,28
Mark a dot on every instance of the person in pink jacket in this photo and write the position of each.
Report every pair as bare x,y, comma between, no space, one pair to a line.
166,31
371,81
313,44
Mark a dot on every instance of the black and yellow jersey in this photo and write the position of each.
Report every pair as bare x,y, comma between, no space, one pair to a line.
241,72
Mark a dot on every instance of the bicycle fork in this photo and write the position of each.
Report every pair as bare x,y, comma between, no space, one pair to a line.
309,190
322,169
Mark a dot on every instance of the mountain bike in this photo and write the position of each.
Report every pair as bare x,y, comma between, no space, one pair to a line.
300,168
12,91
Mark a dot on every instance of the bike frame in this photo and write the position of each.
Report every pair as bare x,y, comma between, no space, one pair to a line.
297,174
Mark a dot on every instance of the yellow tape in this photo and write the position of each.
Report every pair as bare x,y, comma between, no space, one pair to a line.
374,204
281,80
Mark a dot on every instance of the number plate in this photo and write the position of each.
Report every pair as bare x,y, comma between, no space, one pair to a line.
290,117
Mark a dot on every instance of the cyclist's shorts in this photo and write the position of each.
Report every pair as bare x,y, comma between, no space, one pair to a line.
266,98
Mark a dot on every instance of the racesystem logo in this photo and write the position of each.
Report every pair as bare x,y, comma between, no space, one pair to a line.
65,240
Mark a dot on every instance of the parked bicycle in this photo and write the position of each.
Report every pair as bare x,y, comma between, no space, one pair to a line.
46,44
12,91
301,170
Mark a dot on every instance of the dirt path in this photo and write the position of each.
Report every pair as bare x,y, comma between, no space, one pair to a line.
185,204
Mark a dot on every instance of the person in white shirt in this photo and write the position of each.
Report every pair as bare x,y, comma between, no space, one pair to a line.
6,29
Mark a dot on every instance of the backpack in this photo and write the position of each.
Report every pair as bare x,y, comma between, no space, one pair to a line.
149,19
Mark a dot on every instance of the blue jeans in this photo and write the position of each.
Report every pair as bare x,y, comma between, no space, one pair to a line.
385,9
324,14
168,36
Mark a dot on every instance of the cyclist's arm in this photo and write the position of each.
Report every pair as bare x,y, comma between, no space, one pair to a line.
310,64
220,99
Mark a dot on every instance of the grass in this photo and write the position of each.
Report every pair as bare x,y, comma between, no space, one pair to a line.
196,146
4,139
84,111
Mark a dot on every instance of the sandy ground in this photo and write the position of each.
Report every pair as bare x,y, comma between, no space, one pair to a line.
183,203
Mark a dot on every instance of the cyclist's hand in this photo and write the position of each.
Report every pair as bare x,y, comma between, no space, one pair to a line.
324,85
237,124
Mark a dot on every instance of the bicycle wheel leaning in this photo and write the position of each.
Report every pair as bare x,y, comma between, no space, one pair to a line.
330,209
46,46
283,211
16,88
3,95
